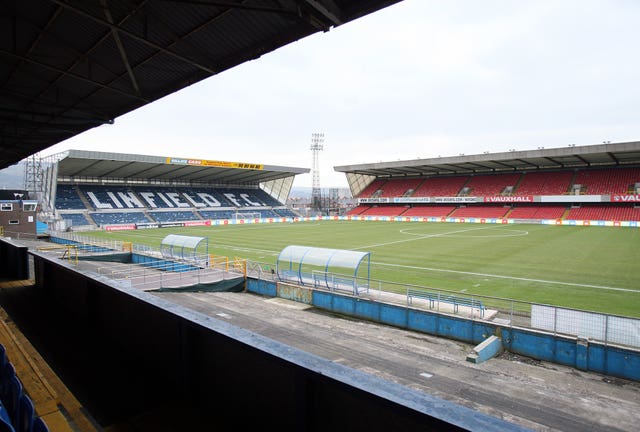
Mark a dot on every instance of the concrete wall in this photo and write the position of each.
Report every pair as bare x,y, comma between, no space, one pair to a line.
14,260
579,353
126,351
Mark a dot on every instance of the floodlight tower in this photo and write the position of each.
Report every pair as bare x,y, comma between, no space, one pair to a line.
33,176
316,146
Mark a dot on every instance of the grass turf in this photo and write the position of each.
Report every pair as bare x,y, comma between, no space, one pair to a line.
590,268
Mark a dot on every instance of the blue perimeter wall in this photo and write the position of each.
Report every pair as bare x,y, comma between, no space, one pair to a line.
573,352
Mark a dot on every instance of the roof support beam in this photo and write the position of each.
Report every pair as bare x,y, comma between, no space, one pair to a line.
123,53
192,62
236,5
89,117
72,75
324,12
524,162
586,162
554,161
80,57
34,43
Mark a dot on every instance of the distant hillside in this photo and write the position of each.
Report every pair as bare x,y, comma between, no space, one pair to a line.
12,177
300,192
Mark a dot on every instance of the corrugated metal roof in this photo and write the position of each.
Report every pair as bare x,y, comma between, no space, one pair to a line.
79,164
599,155
67,66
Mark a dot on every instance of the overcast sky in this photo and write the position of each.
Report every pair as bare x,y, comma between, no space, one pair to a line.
418,79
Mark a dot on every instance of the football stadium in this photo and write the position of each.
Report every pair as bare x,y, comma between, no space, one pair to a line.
486,292
546,246
520,220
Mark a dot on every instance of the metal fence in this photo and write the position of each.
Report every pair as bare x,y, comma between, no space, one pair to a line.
605,328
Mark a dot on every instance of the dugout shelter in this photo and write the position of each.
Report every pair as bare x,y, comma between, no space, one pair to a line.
184,248
335,269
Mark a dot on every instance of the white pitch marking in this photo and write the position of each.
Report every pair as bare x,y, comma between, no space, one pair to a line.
424,237
509,277
508,233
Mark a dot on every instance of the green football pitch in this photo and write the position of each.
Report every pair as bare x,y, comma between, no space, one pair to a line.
588,268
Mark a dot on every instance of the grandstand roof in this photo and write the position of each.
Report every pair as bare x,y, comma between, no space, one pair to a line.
91,164
69,66
599,155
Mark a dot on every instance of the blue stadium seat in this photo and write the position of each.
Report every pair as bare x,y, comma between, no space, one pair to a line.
6,426
173,216
217,214
26,414
75,218
12,403
6,373
39,425
3,357
5,420
67,198
119,218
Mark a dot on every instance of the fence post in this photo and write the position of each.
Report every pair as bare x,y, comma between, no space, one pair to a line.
511,315
606,346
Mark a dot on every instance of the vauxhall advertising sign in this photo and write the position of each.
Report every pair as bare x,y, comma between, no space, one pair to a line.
625,198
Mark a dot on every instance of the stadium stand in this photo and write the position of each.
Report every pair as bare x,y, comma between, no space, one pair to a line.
604,212
67,198
384,211
173,216
537,212
217,214
607,181
358,210
75,219
109,197
441,186
284,212
480,211
267,213
493,184
262,197
429,211
400,187
544,183
118,218
371,191
154,204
